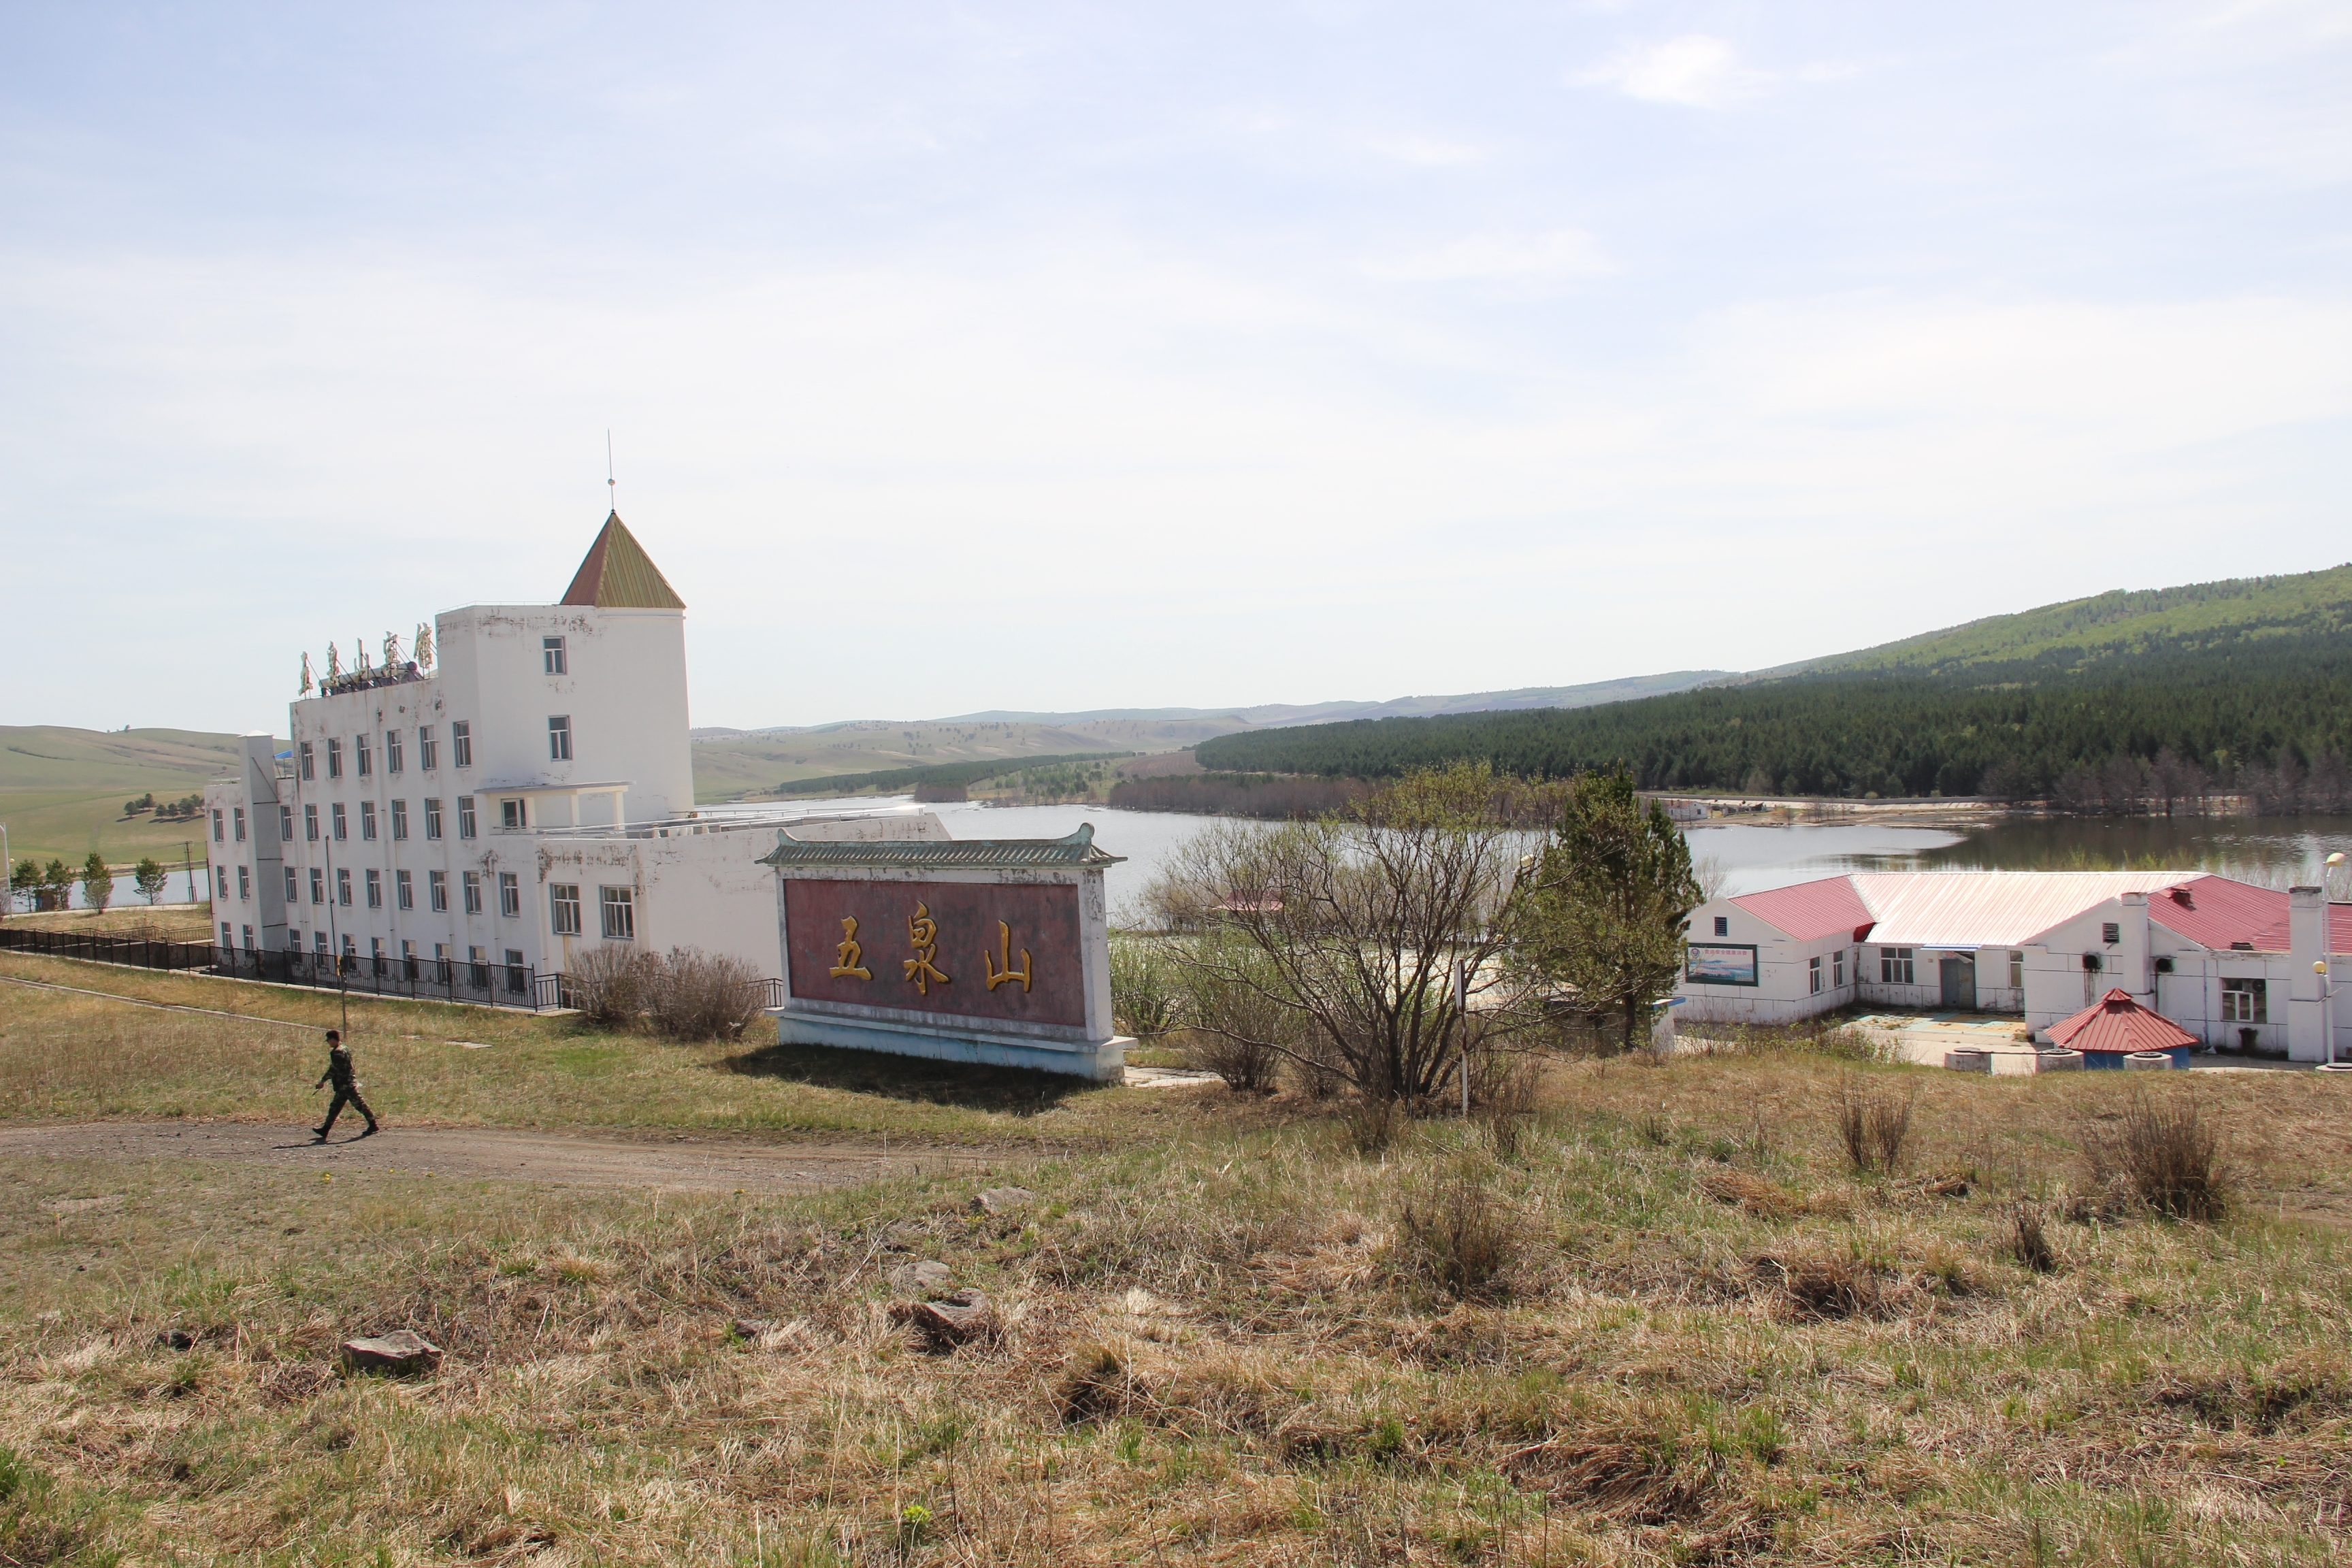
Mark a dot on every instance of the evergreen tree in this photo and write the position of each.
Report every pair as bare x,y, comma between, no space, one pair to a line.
57,883
1604,910
24,881
149,877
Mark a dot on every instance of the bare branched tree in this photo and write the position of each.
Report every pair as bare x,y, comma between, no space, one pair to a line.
1351,926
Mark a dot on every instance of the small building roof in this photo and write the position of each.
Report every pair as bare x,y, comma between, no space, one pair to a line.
618,575
915,854
1809,910
2115,1023
2221,912
1961,909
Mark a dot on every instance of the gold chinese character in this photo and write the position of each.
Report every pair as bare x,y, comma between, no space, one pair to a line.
996,976
851,958
923,933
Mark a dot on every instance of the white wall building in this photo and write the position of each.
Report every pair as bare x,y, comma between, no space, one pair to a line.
2230,962
483,823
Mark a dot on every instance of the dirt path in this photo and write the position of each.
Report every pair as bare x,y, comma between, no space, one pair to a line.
693,1163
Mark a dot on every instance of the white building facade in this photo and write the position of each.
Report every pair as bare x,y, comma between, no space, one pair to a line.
2231,963
472,827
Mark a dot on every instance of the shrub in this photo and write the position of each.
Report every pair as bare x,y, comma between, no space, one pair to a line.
1238,1008
1873,1127
1144,990
1457,1232
608,985
699,995
2165,1152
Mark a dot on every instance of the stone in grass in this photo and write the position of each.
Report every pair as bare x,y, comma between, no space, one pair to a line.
1003,1200
771,1335
400,1353
926,1277
962,1319
176,1339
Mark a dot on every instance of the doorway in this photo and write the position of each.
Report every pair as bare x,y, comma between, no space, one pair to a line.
1960,977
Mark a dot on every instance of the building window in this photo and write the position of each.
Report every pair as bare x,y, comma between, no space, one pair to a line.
461,743
391,751
309,769
237,822
431,817
310,823
477,961
1895,965
293,886
344,885
2017,972
319,941
2245,1001
334,759
618,906
428,749
318,886
518,978
472,892
375,889
351,950
247,931
512,813
1837,970
285,825
1723,925
1815,977
407,959
2111,934
403,892
226,940
216,827
367,820
360,748
376,955
564,900
558,738
399,820
436,890
464,816
342,824
245,883
509,895
220,883
550,653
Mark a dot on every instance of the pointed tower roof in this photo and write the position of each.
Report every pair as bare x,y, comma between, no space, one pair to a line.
618,575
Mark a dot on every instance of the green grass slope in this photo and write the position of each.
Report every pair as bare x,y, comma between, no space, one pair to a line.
62,789
2082,633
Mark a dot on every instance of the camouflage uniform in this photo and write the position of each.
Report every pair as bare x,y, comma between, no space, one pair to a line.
347,1090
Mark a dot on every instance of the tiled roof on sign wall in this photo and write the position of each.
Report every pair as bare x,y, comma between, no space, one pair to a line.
1077,849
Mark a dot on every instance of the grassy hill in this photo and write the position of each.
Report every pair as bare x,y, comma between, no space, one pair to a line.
2080,635
61,789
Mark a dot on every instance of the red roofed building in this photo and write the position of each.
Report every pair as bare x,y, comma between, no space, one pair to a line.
2227,962
2115,1027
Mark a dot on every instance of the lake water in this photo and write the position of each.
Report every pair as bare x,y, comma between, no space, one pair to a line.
2271,850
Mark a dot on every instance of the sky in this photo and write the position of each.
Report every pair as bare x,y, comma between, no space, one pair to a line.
1067,356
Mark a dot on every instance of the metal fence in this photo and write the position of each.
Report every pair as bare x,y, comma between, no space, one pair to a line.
134,950
418,979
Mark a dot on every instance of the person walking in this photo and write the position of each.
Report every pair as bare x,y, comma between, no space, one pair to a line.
347,1090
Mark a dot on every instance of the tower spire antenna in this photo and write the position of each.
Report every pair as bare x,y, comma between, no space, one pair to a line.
612,486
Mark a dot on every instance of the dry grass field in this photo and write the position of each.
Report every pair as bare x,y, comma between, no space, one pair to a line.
1661,1320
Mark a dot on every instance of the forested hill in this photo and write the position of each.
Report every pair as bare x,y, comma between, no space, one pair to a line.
2218,716
2083,634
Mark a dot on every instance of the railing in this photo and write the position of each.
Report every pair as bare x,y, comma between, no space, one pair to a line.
136,951
418,979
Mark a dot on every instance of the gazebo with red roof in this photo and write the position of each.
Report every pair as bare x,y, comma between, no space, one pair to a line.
2115,1027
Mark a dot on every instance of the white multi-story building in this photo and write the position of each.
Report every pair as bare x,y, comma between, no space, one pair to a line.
475,825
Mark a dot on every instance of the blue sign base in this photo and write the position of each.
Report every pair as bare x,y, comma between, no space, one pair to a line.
1104,1063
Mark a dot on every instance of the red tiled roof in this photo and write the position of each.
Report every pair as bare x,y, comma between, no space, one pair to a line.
2219,912
2116,1023
1811,909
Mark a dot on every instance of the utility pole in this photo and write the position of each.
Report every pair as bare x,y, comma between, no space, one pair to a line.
1461,1012
188,864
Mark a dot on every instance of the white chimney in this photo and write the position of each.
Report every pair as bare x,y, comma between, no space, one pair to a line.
2307,924
2131,961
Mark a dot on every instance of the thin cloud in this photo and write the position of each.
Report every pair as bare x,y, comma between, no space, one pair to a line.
1562,252
1695,70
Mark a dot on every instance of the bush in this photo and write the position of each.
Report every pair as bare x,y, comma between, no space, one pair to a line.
2029,1242
2165,1152
1241,1022
608,985
1873,1127
699,995
1144,994
1457,1232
